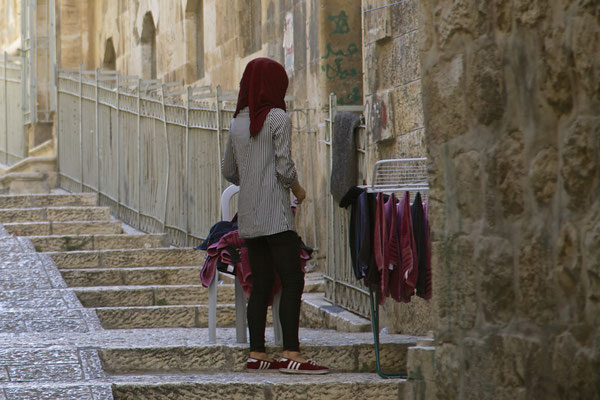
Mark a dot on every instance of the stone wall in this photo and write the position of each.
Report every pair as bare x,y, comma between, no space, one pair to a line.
511,93
10,26
392,86
318,42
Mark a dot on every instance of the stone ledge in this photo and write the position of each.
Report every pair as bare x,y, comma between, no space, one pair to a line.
128,258
256,386
317,312
48,200
63,228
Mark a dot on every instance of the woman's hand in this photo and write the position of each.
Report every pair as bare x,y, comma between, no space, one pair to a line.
298,191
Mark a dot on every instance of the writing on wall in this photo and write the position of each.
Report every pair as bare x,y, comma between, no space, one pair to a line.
339,61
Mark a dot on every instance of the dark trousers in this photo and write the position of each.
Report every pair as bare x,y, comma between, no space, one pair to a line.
280,251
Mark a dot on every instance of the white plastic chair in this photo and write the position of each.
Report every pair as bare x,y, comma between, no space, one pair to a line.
240,297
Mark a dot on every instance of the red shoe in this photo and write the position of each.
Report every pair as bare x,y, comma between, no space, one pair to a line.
254,365
294,367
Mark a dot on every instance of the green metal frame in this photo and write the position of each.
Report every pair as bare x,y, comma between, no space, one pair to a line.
375,326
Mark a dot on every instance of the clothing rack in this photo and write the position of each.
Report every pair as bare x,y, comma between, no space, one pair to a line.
395,176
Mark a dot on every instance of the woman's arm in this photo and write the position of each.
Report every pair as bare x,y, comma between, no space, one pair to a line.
229,167
281,129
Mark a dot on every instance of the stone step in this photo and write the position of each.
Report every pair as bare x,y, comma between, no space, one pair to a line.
59,214
98,242
64,228
178,275
262,386
317,312
113,295
342,352
153,317
89,277
48,200
421,371
128,258
123,296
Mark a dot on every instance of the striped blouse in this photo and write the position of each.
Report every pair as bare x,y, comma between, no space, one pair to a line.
263,168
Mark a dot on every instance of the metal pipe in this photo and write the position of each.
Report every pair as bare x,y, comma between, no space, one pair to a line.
139,151
81,125
98,185
186,184
219,128
312,180
331,222
119,175
164,109
5,110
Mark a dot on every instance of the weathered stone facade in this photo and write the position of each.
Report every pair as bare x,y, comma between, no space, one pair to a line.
392,86
511,97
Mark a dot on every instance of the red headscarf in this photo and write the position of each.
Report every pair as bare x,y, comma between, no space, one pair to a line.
262,88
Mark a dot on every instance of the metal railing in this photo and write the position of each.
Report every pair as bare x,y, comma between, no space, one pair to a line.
341,287
151,150
13,142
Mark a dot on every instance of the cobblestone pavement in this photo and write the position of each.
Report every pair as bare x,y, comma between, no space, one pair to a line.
40,319
49,343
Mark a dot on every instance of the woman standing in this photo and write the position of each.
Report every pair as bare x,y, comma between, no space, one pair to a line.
258,160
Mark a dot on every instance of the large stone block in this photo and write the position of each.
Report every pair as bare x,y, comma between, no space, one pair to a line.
575,369
444,101
486,88
408,108
543,174
579,160
495,261
510,172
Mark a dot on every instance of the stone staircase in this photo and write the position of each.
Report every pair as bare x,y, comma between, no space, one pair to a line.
153,309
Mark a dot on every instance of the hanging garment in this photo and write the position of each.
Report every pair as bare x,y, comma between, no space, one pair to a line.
386,247
344,162
366,254
420,237
428,283
404,282
232,250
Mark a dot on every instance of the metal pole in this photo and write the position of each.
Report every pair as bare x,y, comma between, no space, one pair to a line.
118,149
219,127
139,149
51,52
33,60
5,110
98,185
331,246
164,108
186,183
81,125
312,179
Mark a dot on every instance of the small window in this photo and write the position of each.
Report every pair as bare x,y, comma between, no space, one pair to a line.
110,59
194,40
148,47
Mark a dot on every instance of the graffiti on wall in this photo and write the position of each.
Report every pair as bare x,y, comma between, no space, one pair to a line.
338,63
341,23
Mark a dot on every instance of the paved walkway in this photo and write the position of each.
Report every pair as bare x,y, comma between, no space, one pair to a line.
50,345
43,331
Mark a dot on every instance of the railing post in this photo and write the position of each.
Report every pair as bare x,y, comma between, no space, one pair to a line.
331,237
5,110
98,184
312,175
164,108
118,149
219,129
139,149
186,182
81,125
